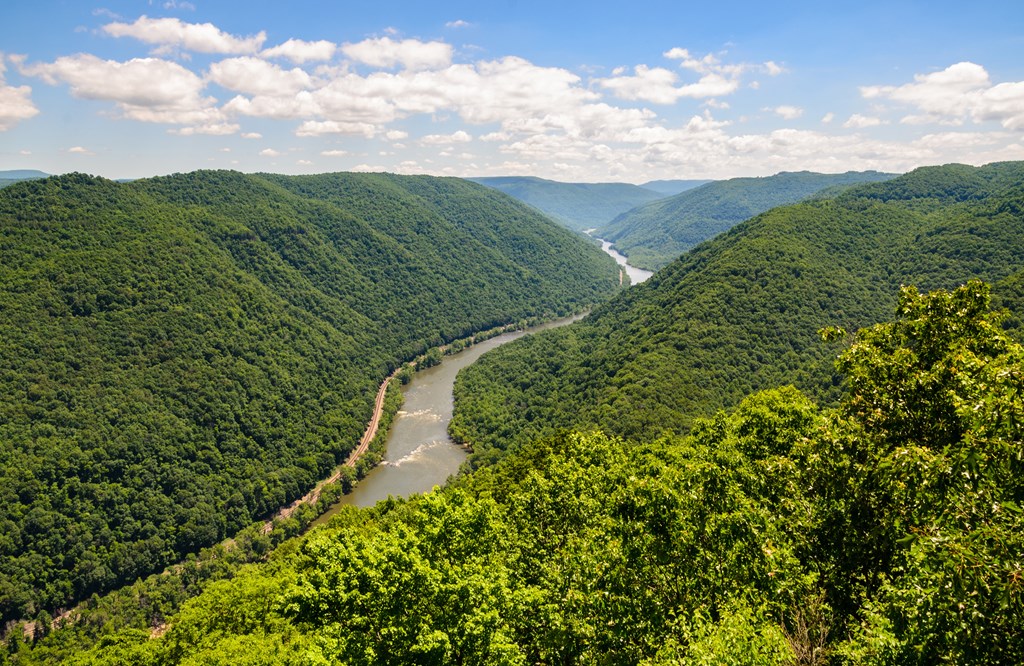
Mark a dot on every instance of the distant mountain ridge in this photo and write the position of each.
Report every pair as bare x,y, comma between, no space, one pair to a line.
17,175
23,174
672,187
578,206
654,234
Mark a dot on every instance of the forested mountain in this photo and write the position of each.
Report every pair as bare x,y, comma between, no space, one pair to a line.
654,234
740,312
888,530
17,175
183,355
579,206
671,187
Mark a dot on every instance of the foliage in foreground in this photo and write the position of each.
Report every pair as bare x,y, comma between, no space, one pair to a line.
885,531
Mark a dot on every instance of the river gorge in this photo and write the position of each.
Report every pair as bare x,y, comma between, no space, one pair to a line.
420,455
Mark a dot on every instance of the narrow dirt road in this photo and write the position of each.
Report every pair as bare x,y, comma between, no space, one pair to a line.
364,443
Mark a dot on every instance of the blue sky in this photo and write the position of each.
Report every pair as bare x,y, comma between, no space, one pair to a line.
571,91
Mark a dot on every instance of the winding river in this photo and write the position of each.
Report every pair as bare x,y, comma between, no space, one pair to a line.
420,455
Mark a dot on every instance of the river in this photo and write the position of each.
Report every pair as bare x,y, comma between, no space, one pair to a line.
420,455
636,275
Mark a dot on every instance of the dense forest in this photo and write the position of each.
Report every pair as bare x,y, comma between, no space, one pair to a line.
183,355
885,530
654,234
740,313
687,476
578,206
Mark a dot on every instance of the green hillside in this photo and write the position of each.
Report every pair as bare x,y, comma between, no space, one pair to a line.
183,355
579,206
654,234
740,312
885,531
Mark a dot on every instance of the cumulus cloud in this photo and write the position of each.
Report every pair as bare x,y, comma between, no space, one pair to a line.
278,107
396,135
788,112
270,152
210,129
258,77
828,118
961,91
15,102
199,37
446,139
658,85
252,135
385,52
79,150
858,121
144,89
457,24
334,153
299,51
324,127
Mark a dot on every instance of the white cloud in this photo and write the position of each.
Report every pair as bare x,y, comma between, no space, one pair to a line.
270,152
252,135
457,24
396,135
446,139
858,121
199,37
414,54
303,162
211,129
15,102
773,69
655,85
79,150
145,89
281,108
137,82
25,153
299,51
184,6
369,168
828,118
658,85
334,153
961,91
788,112
258,77
322,127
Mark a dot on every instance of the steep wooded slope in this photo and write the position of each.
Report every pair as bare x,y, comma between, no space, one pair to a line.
184,354
740,313
579,206
654,234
